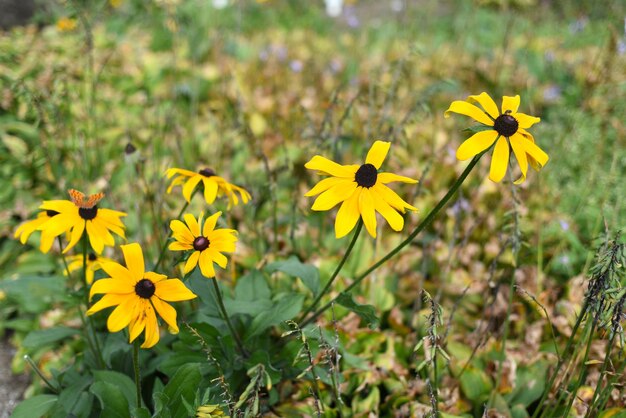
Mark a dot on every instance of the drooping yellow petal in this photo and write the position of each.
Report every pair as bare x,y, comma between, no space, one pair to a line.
535,152
122,315
499,160
46,242
347,216
487,104
331,197
60,223
395,220
520,154
95,239
366,208
464,108
331,168
173,290
217,257
99,227
324,185
525,121
192,224
476,144
391,197
27,228
176,182
117,271
112,286
152,328
136,326
209,224
377,153
210,190
189,187
76,234
108,300
181,171
510,104
165,311
385,178
192,262
134,260
206,265
182,231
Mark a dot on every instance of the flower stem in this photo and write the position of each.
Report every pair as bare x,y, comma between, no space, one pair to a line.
220,302
96,347
136,368
427,221
164,246
336,272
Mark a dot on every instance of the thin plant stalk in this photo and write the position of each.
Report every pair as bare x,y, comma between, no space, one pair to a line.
97,350
427,221
30,361
359,226
220,303
164,246
137,374
605,365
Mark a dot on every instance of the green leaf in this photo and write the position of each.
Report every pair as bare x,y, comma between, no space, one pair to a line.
285,307
140,413
113,402
366,312
252,287
183,385
34,294
309,274
34,407
40,338
120,381
475,384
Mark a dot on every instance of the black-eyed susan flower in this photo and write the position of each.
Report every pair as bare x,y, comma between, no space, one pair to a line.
213,185
93,261
25,230
508,132
210,411
66,24
83,214
136,295
205,241
362,189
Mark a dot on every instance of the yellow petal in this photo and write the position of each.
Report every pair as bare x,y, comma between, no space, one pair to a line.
60,223
61,206
46,242
173,290
112,286
476,144
210,190
324,185
179,246
95,239
165,311
535,152
377,153
155,277
520,154
499,160
100,228
217,257
331,197
192,224
190,186
525,121
136,327
181,171
206,265
76,234
391,197
134,260
366,208
510,104
395,220
117,271
385,178
209,224
122,315
487,104
331,168
107,301
152,328
464,108
177,181
182,230
192,262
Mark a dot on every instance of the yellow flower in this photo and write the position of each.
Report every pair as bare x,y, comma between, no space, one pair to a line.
207,246
210,411
213,184
115,3
136,295
508,132
66,24
362,189
27,228
80,215
94,263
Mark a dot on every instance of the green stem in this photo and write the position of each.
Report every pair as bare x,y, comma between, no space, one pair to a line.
427,221
605,365
359,226
220,303
164,246
97,351
30,361
137,375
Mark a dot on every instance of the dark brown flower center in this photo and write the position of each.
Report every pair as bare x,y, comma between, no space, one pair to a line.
88,213
201,244
51,213
92,257
145,288
366,175
506,125
207,172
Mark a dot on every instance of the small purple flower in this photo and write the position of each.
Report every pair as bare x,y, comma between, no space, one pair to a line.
552,93
296,66
564,225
